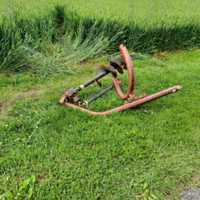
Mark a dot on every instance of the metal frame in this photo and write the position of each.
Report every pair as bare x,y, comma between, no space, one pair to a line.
71,97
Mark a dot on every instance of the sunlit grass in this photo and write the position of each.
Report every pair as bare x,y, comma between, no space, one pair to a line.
148,151
49,42
50,152
143,12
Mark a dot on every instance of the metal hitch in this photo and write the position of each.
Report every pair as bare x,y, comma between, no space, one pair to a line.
71,97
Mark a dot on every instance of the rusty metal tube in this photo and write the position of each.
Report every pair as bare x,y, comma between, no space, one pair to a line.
96,78
128,105
131,78
100,94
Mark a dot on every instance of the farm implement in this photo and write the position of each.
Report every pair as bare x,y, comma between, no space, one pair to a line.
72,99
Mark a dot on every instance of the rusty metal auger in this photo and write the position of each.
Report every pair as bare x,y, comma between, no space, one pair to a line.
71,97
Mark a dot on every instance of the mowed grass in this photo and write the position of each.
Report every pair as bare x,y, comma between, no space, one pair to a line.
50,152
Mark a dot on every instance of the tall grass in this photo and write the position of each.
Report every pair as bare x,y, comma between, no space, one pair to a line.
156,38
144,13
51,43
45,45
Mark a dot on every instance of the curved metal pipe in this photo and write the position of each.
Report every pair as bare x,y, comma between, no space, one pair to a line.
131,79
127,105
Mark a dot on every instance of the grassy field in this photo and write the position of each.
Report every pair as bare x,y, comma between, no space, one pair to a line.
59,36
143,12
50,152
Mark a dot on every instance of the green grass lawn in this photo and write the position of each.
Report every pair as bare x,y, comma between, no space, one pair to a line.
50,152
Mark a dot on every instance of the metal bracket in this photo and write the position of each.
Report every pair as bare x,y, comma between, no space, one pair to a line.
71,97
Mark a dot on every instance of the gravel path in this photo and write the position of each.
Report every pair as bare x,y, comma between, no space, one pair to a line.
192,194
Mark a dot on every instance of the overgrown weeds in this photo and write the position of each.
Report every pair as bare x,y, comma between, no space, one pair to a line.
44,46
52,43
